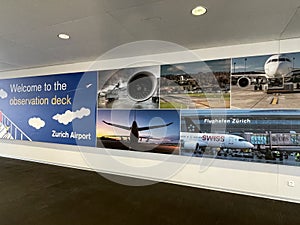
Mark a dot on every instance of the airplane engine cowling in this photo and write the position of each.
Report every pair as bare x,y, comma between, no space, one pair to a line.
141,86
243,82
190,145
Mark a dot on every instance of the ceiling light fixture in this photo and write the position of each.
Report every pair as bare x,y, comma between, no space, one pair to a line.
199,10
63,36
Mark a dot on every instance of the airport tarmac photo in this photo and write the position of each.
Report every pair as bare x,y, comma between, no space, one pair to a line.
269,81
248,98
196,85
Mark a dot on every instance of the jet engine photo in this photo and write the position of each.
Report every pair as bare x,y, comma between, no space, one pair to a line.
141,86
243,82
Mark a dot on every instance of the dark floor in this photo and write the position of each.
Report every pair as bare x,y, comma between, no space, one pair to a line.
33,193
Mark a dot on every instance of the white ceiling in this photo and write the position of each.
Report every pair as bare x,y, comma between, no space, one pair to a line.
29,28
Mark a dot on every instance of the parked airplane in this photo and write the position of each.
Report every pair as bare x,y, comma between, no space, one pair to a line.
197,141
119,86
134,129
187,81
277,67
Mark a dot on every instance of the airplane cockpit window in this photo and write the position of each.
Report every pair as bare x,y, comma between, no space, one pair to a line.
284,60
272,60
242,139
279,60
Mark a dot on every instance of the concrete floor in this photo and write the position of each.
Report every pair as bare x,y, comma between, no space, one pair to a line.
33,193
247,98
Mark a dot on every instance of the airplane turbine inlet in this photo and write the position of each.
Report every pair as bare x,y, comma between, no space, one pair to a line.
141,86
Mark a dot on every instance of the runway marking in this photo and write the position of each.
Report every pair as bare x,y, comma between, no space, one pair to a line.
275,99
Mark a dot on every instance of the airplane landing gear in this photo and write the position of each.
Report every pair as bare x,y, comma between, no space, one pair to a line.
259,82
258,87
199,150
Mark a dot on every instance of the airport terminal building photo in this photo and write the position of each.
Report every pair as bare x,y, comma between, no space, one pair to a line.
146,111
245,121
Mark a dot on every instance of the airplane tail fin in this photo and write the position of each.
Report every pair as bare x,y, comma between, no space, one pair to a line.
191,126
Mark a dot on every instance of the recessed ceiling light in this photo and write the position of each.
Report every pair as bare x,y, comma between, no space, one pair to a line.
199,10
64,36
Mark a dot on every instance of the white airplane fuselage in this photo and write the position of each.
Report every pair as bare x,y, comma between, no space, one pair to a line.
278,66
196,141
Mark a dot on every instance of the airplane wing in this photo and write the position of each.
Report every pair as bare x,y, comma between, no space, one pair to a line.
154,127
248,74
296,72
295,69
254,74
117,125
126,137
148,137
296,75
115,135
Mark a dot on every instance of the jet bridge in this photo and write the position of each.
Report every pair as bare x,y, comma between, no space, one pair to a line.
9,130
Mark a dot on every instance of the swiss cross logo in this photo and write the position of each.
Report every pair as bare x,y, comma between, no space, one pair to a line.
191,128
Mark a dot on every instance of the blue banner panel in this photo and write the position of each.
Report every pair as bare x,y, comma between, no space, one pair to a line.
55,108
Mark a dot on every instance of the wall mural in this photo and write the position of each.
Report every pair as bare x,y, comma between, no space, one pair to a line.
231,109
